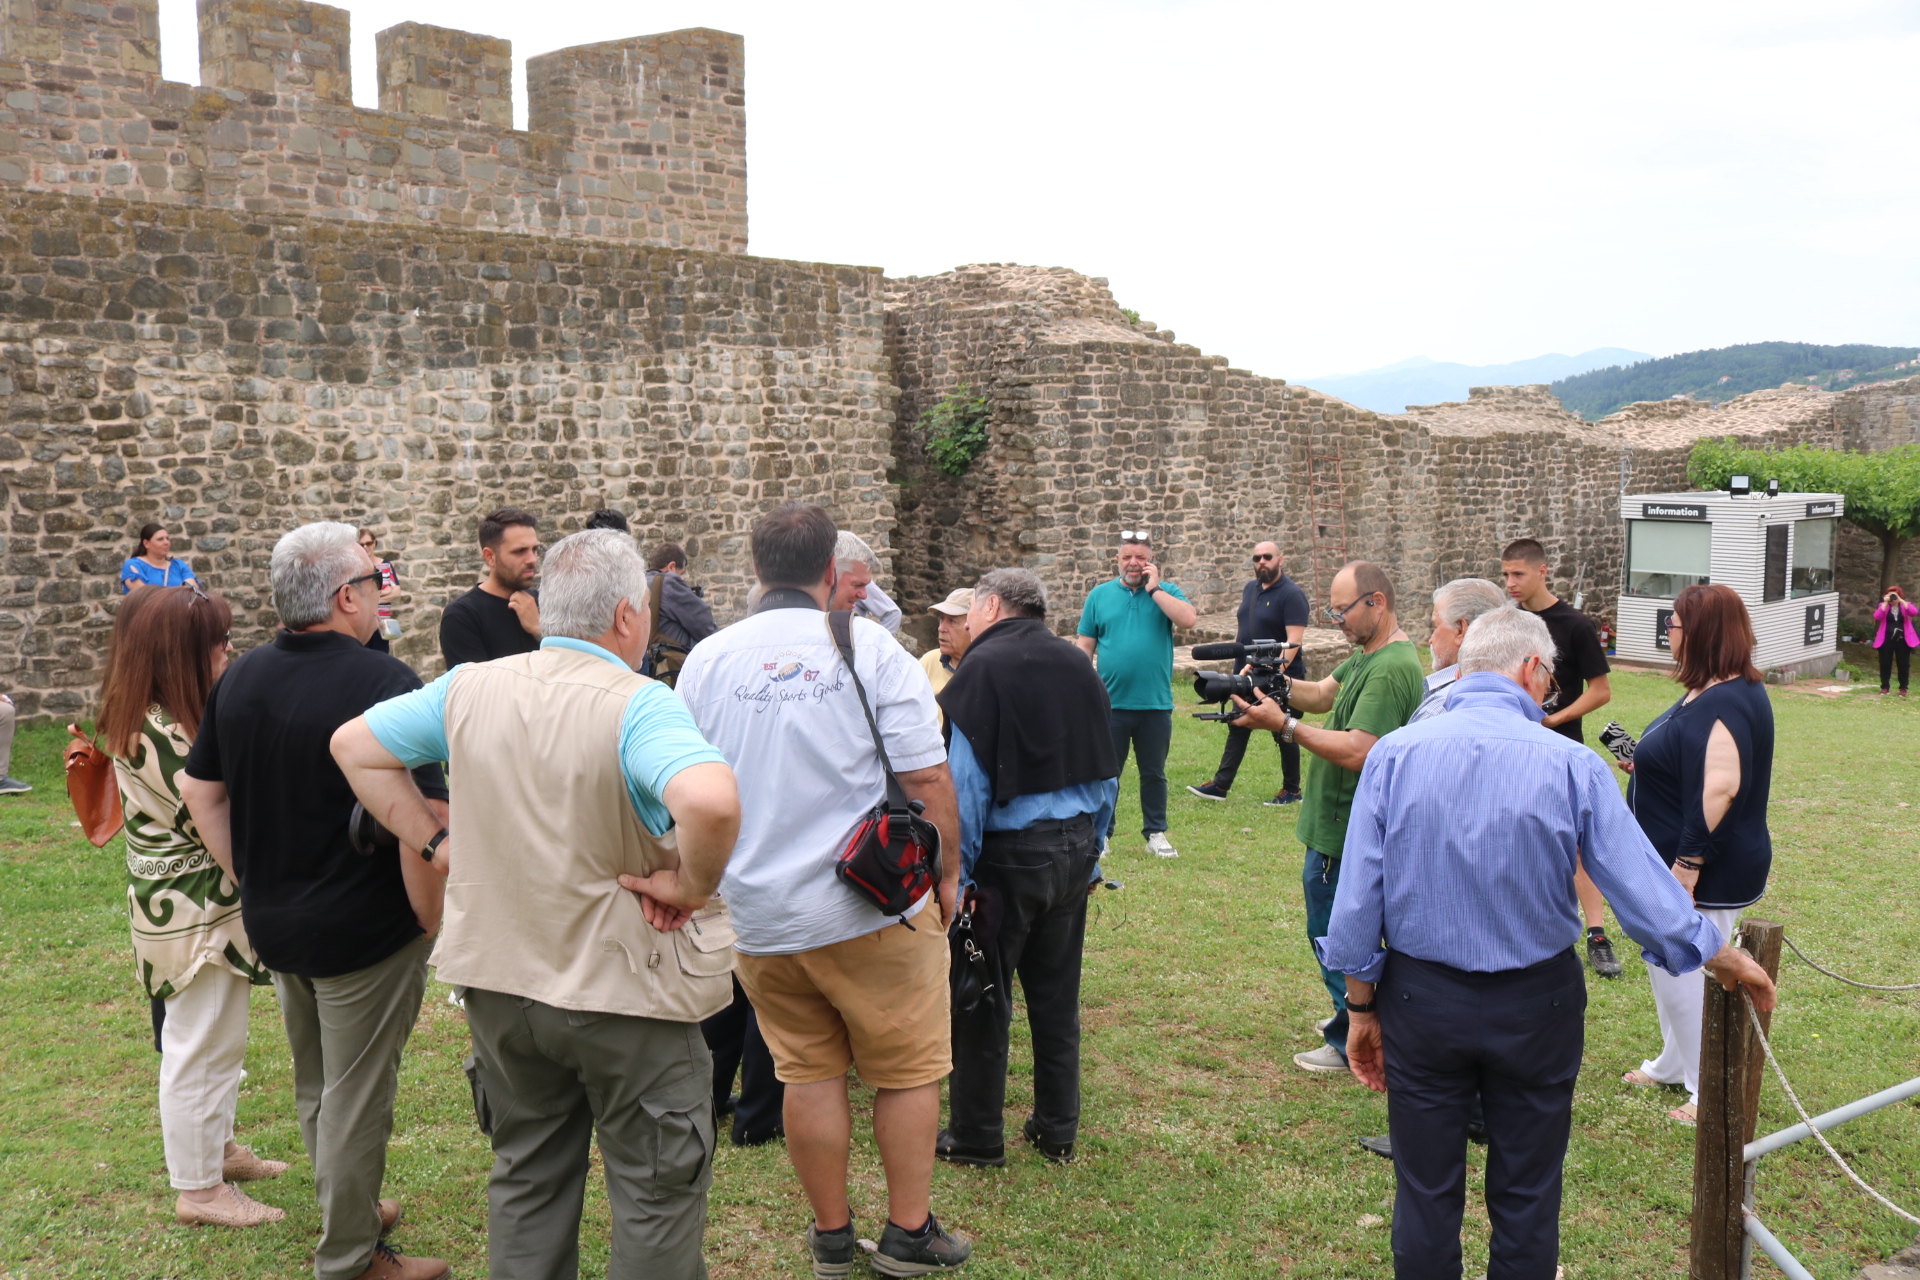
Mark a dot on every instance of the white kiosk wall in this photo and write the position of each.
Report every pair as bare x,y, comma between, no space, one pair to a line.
1777,552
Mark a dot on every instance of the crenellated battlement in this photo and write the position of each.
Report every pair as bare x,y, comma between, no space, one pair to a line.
641,141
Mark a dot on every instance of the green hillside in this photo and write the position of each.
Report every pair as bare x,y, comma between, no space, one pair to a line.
1725,372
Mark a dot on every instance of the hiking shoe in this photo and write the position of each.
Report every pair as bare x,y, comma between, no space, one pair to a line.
14,787
232,1207
242,1165
389,1264
1058,1152
903,1253
832,1251
945,1148
1381,1146
1282,798
1600,954
1159,846
1326,1061
1208,791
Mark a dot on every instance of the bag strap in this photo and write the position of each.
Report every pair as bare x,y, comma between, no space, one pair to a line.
840,626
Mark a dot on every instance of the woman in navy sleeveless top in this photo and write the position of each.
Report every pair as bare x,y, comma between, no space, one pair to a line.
1701,773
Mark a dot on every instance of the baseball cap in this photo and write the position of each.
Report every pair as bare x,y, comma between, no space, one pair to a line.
956,604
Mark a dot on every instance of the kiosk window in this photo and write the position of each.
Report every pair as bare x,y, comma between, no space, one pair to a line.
1664,557
1774,585
1813,556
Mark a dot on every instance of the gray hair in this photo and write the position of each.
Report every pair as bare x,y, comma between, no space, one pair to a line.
1502,640
850,549
310,564
1021,592
586,576
1465,599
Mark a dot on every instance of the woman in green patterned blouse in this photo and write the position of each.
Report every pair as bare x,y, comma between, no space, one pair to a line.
169,645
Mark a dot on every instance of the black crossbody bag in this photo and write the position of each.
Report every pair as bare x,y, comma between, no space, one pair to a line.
893,857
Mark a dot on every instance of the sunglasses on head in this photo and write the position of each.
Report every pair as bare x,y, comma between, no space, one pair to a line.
1134,535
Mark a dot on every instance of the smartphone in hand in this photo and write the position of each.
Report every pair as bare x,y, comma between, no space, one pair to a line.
1618,741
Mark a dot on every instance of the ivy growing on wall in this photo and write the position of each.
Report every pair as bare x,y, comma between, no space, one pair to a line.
956,430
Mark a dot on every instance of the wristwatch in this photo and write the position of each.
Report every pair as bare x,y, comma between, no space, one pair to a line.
1286,730
1369,1007
432,846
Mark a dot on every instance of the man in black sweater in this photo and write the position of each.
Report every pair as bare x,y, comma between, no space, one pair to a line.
501,616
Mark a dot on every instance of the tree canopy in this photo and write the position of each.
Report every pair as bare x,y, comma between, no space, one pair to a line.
1724,372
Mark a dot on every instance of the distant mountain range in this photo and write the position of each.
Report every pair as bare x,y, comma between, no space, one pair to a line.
1724,372
1422,381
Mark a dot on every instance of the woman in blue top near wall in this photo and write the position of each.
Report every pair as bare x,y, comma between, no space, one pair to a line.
1701,773
152,562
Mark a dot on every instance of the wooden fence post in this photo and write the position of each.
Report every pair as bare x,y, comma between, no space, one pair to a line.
1731,1065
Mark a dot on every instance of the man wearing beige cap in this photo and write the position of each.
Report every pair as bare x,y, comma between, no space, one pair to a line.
940,662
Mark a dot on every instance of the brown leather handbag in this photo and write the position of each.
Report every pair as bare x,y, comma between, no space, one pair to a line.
92,788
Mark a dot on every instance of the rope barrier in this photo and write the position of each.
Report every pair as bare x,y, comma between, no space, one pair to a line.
1753,1015
1870,986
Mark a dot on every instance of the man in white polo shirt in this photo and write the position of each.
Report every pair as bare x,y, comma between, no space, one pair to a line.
834,982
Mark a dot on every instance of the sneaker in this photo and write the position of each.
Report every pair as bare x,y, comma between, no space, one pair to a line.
242,1165
1159,846
1282,798
1326,1061
232,1207
832,1251
903,1253
1208,791
1322,1025
1058,1152
1600,954
389,1264
945,1148
1381,1146
14,787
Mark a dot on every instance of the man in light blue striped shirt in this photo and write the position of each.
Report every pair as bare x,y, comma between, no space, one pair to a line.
1457,899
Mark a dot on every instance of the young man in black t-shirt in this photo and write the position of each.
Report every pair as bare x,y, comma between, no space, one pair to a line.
501,616
344,934
1581,673
1272,607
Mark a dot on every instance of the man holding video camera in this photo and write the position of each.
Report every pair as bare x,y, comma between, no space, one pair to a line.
1272,607
1369,695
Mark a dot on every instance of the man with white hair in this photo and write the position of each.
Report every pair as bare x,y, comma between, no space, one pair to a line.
856,561
576,780
1460,854
345,935
1455,606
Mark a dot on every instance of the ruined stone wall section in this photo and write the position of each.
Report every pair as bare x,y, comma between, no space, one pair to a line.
236,376
639,141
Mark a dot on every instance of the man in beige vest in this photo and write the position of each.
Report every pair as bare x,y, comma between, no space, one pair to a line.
573,777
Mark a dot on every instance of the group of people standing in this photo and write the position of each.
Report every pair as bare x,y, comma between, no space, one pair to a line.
645,881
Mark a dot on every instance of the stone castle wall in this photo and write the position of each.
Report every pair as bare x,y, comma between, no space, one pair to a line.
641,141
235,375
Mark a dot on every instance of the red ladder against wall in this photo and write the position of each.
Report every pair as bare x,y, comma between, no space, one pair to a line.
1326,520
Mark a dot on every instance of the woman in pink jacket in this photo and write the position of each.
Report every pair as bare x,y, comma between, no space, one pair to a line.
1896,639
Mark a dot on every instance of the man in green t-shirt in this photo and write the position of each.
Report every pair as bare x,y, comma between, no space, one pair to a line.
1369,695
1127,624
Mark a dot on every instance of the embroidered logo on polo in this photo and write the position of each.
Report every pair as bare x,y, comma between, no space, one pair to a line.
787,678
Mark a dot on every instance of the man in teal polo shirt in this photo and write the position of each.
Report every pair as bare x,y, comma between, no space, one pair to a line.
1127,625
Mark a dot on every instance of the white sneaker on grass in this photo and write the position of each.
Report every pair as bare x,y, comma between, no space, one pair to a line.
1326,1060
1160,846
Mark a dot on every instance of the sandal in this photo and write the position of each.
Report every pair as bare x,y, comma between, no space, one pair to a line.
1639,1079
1687,1114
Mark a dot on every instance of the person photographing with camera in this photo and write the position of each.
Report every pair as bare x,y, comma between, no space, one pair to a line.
1272,607
1368,696
1896,639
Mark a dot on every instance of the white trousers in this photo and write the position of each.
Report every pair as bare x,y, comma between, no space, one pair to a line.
1680,1002
203,1047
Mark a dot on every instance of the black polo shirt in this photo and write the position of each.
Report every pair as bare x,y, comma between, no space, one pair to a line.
1267,612
312,906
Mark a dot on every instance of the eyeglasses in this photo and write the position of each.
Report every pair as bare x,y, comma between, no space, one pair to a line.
1134,535
354,582
1673,624
1340,614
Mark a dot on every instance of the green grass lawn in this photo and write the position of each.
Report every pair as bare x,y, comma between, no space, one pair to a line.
1203,1151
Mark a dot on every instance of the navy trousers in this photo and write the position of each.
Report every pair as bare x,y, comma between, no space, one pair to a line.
1516,1036
733,1037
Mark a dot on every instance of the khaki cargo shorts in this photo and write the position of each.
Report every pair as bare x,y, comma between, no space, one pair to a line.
878,1002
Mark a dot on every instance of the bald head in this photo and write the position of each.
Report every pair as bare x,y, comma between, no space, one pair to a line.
1363,596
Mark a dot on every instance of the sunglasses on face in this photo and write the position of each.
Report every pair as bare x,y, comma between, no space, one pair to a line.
354,582
1258,559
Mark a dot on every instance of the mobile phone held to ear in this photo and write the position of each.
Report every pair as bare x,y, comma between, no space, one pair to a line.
1618,741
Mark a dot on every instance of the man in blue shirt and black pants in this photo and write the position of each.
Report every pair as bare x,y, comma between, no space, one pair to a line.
1036,777
1460,854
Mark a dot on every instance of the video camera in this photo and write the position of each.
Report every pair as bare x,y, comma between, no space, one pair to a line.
1265,662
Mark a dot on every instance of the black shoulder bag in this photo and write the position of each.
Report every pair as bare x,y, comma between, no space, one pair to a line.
893,856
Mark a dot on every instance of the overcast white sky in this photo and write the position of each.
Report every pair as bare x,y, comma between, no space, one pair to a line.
1314,188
